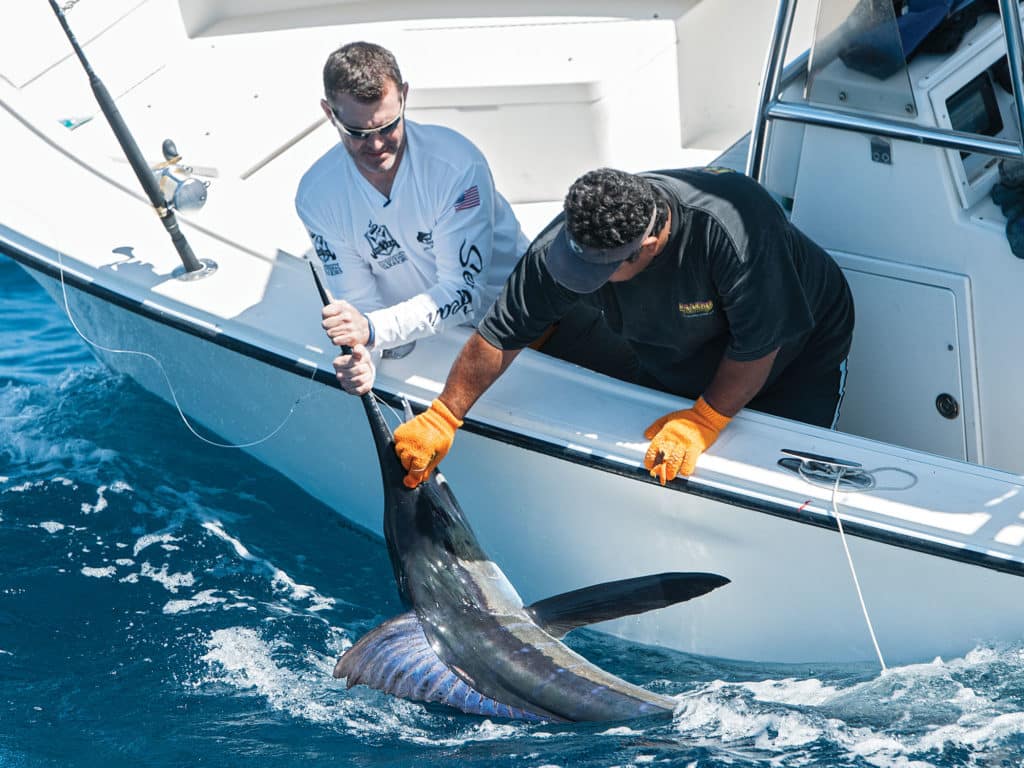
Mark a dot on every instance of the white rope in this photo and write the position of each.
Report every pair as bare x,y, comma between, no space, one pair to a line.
170,387
853,572
870,484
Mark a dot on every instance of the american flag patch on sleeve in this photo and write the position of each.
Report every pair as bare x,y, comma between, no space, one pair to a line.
468,199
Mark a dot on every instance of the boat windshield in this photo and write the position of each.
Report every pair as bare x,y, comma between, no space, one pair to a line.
857,59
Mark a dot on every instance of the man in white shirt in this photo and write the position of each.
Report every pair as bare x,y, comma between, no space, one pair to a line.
405,218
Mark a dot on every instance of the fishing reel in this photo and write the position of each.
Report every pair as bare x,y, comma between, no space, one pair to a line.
178,183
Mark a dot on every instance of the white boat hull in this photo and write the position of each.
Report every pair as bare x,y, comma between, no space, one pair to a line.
554,524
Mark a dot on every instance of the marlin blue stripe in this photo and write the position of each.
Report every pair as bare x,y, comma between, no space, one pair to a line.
488,707
458,695
474,701
432,679
443,686
412,681
392,665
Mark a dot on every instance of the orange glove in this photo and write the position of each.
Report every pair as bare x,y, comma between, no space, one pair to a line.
422,442
678,438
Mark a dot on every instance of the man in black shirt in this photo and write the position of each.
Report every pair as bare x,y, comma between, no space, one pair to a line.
693,282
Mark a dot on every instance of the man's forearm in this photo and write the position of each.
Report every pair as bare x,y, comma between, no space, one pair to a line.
736,383
477,367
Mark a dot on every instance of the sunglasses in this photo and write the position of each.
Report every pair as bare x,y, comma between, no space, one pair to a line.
647,233
361,134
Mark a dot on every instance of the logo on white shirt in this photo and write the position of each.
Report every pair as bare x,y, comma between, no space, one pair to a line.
382,244
323,250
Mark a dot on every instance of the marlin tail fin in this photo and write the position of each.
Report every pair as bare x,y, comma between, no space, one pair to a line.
396,658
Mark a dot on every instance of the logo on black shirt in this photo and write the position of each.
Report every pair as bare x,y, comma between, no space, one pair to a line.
383,244
697,308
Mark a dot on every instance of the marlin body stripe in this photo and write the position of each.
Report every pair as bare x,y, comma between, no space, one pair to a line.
468,641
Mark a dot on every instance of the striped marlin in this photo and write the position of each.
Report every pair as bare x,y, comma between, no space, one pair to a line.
468,641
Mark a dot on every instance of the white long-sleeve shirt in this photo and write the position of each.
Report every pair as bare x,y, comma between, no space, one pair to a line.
434,254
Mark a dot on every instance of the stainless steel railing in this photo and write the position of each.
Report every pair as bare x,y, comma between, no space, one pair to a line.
774,80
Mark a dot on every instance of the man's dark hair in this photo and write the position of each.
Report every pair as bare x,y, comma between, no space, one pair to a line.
360,70
606,208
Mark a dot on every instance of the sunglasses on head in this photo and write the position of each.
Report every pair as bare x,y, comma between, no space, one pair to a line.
361,134
647,233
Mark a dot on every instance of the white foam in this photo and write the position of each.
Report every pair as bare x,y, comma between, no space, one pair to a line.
974,732
51,526
905,718
99,573
172,582
206,597
99,506
279,580
486,730
240,657
791,691
149,539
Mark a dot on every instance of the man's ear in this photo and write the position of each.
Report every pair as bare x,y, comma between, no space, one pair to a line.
326,108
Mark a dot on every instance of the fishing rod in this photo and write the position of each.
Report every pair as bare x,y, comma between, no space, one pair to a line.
373,414
193,267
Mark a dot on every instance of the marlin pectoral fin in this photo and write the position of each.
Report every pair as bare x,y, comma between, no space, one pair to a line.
396,658
563,613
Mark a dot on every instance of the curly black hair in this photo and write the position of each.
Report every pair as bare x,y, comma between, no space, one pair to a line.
606,208
360,70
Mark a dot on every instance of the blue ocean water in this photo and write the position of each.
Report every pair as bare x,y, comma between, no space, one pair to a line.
168,603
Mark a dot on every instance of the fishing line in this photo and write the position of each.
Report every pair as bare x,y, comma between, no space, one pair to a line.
170,387
871,485
398,417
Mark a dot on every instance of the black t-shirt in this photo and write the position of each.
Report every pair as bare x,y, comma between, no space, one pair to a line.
735,279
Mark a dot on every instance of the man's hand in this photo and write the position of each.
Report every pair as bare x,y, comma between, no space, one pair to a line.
346,326
678,438
355,371
422,442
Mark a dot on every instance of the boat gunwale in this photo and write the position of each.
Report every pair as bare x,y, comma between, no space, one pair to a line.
805,513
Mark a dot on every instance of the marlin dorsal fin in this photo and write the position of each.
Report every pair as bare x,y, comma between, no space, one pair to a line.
396,658
563,613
